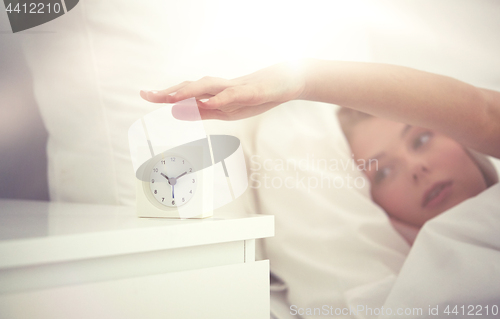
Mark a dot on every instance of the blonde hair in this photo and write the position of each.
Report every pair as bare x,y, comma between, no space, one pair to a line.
349,118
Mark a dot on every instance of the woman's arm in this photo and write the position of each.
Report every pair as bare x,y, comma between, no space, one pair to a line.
468,114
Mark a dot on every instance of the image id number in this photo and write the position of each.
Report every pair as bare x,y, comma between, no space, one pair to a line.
36,8
471,310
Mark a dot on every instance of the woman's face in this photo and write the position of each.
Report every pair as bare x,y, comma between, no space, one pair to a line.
420,174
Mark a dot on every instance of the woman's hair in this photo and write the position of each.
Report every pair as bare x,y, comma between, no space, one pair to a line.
485,166
349,118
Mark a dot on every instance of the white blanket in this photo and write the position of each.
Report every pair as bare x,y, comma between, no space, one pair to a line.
455,261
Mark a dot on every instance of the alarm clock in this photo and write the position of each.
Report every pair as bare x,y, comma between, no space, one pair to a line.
177,183
172,181
180,171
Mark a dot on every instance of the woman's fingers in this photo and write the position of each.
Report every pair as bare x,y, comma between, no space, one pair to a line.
158,96
207,86
150,96
163,96
216,98
201,89
173,89
228,114
188,115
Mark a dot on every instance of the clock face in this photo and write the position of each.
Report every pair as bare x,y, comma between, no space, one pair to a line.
172,181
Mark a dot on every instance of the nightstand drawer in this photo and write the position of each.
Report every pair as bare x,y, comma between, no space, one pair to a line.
233,291
76,272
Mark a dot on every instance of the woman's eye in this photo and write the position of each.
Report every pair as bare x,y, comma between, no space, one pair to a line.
422,139
382,174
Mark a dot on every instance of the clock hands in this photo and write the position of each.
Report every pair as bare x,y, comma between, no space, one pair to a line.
173,180
172,169
181,175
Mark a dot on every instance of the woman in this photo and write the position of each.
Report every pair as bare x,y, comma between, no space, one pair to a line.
420,173
425,130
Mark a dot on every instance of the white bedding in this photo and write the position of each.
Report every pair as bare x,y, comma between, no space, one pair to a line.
454,261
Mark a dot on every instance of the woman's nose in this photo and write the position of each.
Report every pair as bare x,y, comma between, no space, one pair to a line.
419,171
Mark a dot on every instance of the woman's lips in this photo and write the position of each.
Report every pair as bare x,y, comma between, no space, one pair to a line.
436,194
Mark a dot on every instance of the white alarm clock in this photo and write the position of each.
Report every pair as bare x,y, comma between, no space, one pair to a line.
180,171
172,181
173,184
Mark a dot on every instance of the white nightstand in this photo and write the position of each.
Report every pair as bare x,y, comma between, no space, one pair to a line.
61,260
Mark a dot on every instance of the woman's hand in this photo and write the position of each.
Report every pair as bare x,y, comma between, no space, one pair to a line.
238,98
